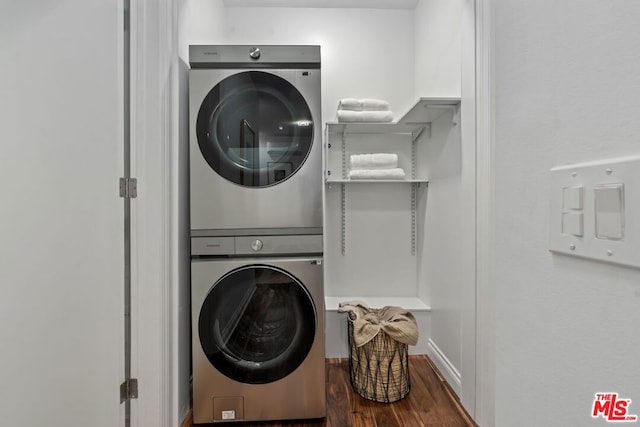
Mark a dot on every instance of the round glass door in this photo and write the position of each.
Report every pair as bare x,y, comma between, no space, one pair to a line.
254,129
257,324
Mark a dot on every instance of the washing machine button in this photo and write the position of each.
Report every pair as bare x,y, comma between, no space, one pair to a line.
254,52
256,245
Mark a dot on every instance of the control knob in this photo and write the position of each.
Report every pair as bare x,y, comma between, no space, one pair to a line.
254,52
256,245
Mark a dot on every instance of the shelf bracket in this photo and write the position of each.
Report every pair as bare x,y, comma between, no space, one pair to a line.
455,110
343,214
414,155
414,205
344,156
456,115
415,135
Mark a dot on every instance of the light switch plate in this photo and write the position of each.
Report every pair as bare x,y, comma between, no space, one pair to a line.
572,197
573,223
619,235
609,211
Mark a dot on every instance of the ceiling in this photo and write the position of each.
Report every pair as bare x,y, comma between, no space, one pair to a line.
364,4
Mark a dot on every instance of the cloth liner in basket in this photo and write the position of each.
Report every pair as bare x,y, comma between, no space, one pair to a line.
378,347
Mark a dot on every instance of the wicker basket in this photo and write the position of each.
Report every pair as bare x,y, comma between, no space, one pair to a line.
379,370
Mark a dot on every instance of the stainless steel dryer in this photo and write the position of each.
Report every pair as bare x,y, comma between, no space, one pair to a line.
255,139
258,329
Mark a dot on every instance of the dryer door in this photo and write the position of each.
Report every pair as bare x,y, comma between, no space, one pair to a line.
257,324
254,129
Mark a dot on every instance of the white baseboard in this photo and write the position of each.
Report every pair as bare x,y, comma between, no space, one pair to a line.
446,368
187,420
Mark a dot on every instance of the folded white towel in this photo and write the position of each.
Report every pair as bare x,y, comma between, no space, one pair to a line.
396,173
349,116
374,161
364,104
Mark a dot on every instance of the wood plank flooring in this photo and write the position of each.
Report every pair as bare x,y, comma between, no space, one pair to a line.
429,404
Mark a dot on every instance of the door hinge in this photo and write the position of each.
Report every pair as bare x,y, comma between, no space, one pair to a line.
128,188
129,389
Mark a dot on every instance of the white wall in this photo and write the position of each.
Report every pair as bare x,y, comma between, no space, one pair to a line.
449,259
201,22
437,25
567,89
365,52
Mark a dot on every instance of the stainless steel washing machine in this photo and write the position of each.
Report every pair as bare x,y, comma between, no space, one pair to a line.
255,139
257,328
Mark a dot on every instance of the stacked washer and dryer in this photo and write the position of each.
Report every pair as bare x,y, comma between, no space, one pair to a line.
257,288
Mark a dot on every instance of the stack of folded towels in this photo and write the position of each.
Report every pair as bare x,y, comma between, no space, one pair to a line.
375,166
366,110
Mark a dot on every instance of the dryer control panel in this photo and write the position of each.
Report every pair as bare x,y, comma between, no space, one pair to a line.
246,56
256,245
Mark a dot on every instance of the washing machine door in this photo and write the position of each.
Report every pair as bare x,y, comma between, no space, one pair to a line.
254,129
257,324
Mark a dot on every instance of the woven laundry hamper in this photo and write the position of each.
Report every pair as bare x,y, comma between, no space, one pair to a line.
379,369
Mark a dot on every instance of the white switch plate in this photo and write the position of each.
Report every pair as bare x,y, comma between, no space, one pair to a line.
592,175
609,210
572,197
573,223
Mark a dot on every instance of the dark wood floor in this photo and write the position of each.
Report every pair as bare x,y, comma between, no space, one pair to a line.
430,403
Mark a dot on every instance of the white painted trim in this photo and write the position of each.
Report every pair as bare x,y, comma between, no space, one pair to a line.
446,368
467,298
169,57
485,287
154,77
172,116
